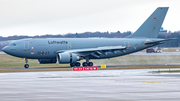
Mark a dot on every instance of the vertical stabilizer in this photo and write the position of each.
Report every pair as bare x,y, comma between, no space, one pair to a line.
151,27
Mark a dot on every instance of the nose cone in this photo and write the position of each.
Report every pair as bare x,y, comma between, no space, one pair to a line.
10,50
5,49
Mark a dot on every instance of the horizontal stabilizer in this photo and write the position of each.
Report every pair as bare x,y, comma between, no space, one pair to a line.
158,42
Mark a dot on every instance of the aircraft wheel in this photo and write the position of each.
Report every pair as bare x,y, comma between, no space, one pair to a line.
26,66
72,64
90,64
85,64
78,64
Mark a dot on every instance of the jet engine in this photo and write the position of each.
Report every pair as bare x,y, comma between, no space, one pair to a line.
46,61
67,58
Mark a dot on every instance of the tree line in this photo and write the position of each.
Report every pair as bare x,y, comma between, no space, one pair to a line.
118,34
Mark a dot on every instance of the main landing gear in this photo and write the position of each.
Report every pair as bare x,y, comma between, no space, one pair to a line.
87,64
26,65
77,64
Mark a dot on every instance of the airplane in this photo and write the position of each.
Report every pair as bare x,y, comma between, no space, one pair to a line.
72,50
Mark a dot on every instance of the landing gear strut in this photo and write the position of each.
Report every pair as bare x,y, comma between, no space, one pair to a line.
87,63
26,65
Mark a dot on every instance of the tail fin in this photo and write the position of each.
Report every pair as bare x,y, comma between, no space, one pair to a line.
151,27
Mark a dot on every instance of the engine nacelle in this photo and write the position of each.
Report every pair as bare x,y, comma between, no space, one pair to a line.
67,58
46,61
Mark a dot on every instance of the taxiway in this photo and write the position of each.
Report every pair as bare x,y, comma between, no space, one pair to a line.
2,53
41,68
105,85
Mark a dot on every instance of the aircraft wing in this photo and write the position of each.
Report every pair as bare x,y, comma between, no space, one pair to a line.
94,51
158,42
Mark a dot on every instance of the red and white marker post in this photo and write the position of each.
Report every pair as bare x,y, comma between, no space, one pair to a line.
93,68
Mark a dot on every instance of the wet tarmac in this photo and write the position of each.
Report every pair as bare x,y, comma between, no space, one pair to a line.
101,85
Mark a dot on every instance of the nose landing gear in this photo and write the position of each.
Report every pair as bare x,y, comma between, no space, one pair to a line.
26,65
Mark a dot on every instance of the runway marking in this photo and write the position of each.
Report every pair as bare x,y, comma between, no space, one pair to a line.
152,82
77,77
109,79
61,77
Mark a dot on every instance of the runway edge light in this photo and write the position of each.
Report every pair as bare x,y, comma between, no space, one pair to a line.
103,66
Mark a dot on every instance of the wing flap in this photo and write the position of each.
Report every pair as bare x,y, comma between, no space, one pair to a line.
96,52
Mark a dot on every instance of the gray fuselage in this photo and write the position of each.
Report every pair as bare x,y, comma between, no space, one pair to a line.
47,48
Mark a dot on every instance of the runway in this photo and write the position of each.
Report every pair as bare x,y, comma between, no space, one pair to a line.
41,68
150,54
2,53
105,85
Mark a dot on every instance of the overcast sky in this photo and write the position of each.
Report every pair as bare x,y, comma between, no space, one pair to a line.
39,17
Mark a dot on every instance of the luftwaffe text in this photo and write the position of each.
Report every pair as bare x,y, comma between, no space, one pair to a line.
57,42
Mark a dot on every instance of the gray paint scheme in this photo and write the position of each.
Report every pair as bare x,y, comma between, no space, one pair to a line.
93,48
151,27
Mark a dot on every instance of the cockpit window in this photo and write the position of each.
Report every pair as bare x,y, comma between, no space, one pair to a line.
12,44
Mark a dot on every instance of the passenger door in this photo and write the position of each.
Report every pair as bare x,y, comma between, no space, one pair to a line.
28,46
